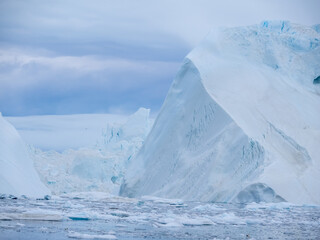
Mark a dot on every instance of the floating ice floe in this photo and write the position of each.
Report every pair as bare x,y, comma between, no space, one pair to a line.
34,214
78,235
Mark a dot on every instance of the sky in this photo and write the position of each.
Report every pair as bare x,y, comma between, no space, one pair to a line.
70,57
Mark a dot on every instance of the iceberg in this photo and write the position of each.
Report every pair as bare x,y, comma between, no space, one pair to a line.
241,121
17,174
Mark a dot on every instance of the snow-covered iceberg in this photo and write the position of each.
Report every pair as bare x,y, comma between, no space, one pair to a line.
17,174
241,121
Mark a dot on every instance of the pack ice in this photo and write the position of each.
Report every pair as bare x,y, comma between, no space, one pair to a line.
17,174
241,121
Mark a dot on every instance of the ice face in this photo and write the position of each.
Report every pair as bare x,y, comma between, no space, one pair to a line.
193,154
278,107
241,117
17,174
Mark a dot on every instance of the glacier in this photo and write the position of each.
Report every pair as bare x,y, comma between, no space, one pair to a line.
241,121
17,174
112,141
63,132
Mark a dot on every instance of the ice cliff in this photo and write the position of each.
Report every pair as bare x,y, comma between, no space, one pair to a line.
241,121
17,174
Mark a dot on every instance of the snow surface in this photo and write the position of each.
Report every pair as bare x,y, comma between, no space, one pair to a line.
17,174
241,121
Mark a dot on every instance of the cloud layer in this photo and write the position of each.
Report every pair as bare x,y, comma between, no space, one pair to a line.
63,57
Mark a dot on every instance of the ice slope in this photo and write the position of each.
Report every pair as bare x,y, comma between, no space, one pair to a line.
102,164
241,121
17,174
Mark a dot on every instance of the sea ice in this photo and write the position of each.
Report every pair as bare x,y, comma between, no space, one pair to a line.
78,235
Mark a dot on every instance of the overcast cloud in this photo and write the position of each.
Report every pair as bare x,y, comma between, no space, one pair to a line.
64,57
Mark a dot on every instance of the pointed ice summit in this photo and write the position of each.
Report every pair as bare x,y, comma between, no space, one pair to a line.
241,121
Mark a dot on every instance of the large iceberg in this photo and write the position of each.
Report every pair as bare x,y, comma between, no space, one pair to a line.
241,121
17,174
